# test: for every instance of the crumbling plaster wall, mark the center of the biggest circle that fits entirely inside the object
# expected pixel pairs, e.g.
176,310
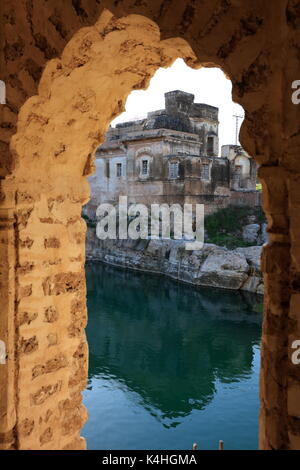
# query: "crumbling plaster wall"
89,62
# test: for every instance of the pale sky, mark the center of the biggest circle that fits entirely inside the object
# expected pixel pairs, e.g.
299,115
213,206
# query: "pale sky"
209,85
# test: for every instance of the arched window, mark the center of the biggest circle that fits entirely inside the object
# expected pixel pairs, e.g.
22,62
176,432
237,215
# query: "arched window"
143,165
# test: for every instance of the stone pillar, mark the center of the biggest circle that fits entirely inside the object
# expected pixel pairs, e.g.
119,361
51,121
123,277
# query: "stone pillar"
51,315
276,268
293,327
43,315
7,329
280,377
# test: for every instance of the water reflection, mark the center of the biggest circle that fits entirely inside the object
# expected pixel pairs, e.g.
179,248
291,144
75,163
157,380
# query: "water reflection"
167,345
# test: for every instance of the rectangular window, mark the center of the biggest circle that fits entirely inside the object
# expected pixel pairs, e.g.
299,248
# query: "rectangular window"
119,170
107,169
205,172
145,167
173,170
210,146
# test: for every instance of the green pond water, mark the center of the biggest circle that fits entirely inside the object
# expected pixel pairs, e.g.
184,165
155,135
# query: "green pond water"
170,364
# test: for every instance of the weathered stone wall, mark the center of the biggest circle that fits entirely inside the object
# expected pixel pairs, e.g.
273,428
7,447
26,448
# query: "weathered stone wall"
45,194
88,67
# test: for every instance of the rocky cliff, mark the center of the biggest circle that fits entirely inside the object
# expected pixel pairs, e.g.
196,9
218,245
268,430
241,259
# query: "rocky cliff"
212,266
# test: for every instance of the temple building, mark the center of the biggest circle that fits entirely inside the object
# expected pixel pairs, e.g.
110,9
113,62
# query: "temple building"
172,156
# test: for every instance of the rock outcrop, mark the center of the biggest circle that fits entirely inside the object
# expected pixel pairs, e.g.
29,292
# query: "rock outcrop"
212,266
255,233
250,233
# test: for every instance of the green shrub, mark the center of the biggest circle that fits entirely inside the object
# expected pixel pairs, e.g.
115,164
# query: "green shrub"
225,226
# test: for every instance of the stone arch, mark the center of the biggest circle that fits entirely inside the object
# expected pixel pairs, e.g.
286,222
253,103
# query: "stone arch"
244,163
241,171
81,92
42,284
144,151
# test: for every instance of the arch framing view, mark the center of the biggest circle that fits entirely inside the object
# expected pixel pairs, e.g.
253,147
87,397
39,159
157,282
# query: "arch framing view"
68,71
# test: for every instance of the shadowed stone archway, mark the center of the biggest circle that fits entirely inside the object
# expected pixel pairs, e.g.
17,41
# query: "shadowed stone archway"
96,58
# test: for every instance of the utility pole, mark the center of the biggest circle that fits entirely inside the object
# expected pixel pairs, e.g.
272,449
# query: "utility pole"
237,117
